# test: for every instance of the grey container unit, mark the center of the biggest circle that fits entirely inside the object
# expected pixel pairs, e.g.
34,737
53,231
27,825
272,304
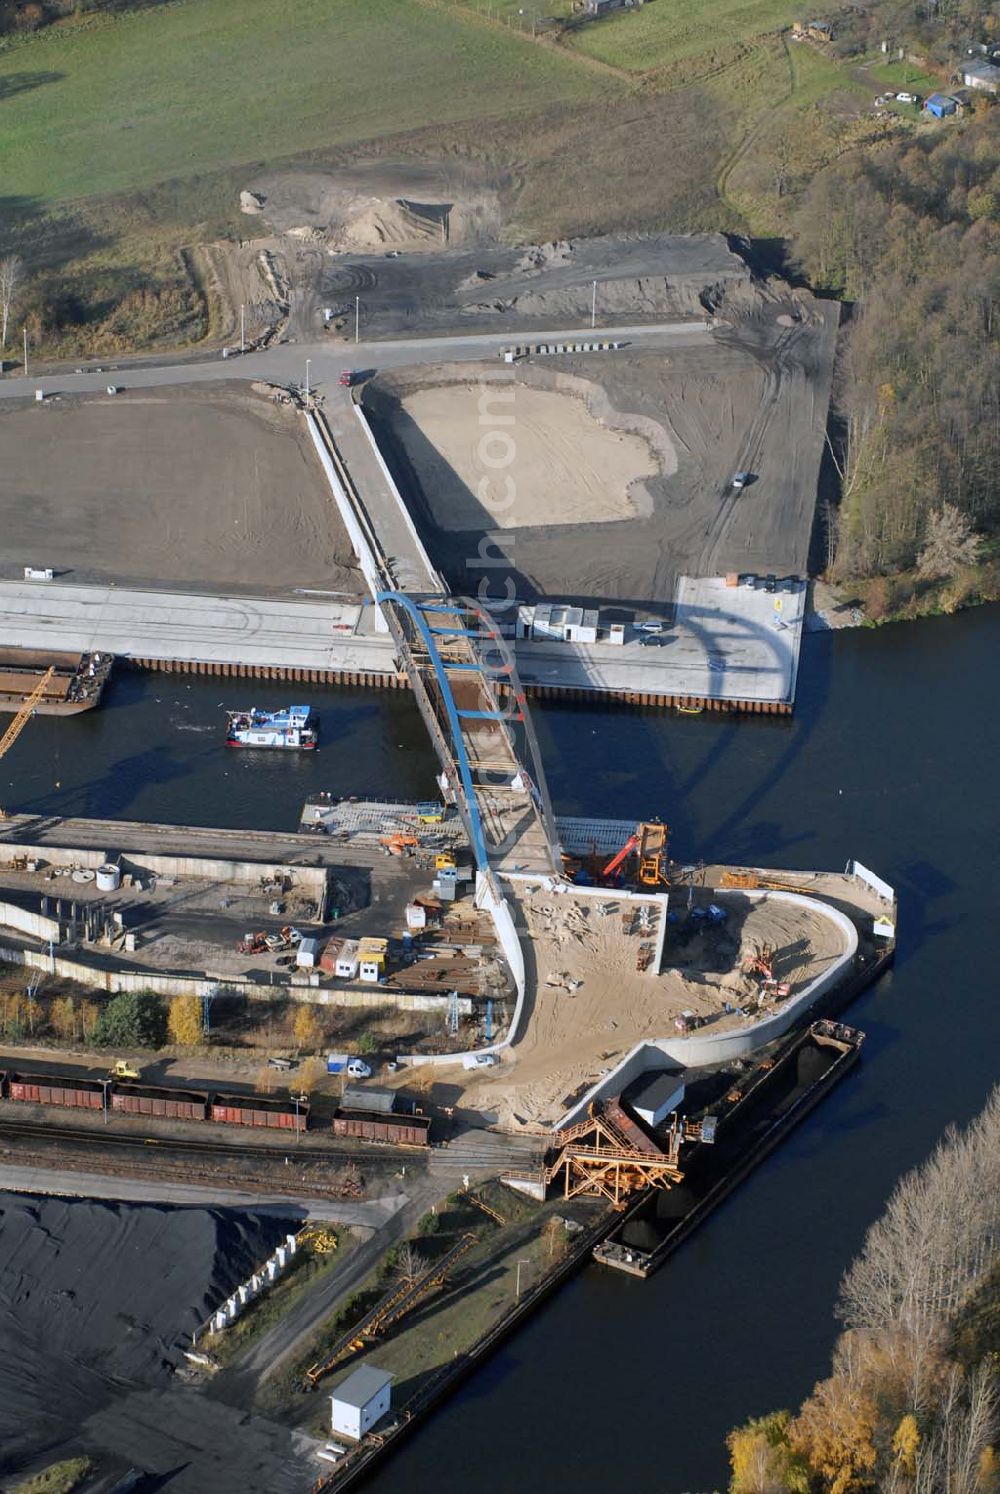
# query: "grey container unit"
654,1099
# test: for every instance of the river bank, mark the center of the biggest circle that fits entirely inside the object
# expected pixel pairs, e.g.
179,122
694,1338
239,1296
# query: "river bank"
889,759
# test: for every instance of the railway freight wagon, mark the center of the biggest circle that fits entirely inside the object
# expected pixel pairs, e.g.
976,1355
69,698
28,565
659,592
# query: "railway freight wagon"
58,1089
171,1104
255,1110
395,1130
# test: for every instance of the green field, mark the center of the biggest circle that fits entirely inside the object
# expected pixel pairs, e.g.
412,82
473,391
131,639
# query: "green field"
903,77
666,31
125,138
121,103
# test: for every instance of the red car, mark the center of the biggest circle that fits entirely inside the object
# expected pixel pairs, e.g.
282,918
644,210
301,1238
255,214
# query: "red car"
346,378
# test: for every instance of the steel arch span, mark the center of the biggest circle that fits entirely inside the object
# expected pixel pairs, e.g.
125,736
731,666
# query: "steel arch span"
465,680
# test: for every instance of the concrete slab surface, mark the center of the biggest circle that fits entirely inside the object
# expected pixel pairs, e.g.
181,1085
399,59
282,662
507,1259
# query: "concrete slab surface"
726,643
293,634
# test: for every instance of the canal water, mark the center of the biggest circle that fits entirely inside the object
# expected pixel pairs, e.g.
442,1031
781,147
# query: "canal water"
890,758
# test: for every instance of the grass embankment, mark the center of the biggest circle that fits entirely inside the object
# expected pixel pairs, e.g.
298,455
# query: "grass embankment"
479,1294
127,137
641,40
135,99
59,1478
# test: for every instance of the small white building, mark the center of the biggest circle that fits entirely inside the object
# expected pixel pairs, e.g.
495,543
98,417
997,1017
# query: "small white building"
656,1098
982,75
307,954
346,967
360,1402
558,620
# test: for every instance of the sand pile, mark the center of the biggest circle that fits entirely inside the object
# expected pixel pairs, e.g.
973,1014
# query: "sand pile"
399,225
94,1298
377,206
591,1004
514,456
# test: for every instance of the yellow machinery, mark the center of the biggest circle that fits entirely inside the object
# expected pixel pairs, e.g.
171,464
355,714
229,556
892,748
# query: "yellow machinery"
123,1070
22,718
652,853
444,861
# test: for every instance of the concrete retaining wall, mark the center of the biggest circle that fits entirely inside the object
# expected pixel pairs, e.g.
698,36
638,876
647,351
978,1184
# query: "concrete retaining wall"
418,545
359,543
870,879
98,978
705,1047
489,899
203,868
14,917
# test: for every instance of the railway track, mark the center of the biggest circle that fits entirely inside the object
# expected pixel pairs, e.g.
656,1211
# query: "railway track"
440,1156
197,1147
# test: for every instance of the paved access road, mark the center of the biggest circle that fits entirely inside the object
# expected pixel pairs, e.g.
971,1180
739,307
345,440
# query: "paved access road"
71,1184
286,363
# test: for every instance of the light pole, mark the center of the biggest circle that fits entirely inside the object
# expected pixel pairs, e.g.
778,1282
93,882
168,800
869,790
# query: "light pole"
308,361
243,328
593,306
357,316
25,352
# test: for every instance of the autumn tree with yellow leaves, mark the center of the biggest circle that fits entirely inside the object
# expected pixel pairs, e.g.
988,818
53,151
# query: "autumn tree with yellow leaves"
912,1405
185,1022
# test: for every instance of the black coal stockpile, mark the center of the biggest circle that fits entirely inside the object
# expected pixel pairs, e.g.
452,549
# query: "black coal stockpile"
95,1299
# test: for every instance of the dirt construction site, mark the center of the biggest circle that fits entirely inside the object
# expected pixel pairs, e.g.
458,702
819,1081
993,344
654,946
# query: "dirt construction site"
592,1002
211,489
604,477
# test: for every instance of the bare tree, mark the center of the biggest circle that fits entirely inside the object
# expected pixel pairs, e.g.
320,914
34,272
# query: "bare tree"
409,1262
10,281
949,543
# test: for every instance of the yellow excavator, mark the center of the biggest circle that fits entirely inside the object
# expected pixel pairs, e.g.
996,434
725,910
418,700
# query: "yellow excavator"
22,718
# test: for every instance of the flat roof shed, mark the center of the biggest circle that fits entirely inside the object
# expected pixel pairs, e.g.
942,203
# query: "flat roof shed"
654,1099
360,1401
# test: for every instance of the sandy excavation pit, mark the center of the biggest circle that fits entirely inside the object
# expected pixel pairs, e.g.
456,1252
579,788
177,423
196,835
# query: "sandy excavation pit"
591,1005
213,489
513,456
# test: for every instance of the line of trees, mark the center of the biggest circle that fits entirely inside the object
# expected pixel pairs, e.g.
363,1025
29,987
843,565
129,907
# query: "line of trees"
910,234
913,1402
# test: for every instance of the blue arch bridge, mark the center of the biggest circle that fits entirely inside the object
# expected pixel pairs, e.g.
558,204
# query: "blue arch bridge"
465,681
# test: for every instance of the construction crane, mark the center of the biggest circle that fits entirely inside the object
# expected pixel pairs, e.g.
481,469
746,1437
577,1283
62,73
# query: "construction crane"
22,718
648,844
